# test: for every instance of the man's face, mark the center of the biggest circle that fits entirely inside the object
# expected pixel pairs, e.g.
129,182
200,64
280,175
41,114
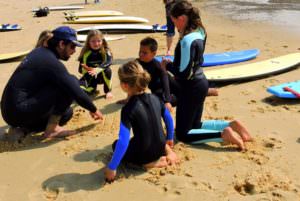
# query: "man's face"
145,54
66,50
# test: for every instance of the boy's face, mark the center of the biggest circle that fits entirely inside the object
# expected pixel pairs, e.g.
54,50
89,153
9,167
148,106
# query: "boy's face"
145,54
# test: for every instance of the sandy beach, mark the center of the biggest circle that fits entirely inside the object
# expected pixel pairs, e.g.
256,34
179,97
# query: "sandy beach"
72,169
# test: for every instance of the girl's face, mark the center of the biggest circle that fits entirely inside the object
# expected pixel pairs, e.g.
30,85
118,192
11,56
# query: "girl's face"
124,87
180,22
95,42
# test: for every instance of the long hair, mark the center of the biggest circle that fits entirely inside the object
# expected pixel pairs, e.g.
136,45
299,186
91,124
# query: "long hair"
193,15
43,38
87,47
133,74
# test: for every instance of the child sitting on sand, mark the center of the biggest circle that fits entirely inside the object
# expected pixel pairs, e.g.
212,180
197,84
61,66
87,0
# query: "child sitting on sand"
149,146
95,59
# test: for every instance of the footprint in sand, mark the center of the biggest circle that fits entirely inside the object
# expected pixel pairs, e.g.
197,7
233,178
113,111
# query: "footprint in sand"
257,149
298,140
262,181
272,143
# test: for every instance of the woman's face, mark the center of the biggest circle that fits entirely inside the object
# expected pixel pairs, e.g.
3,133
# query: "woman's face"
180,22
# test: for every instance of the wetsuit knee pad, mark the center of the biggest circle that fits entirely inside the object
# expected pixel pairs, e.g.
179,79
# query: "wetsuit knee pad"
218,125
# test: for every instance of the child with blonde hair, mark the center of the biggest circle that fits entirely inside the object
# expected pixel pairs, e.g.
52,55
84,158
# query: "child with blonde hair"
95,59
148,147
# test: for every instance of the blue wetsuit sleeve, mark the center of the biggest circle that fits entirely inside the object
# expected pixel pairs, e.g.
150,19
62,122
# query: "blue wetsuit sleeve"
121,147
169,124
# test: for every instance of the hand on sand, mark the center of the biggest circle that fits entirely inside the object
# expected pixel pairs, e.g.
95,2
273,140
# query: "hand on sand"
172,159
97,115
170,143
109,175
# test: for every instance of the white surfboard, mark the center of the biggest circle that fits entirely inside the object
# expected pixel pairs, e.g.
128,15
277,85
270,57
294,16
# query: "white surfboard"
253,70
82,38
56,8
113,19
124,28
13,55
93,13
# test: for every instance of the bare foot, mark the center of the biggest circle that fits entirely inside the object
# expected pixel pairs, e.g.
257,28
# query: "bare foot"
212,92
161,162
109,95
58,132
229,136
241,130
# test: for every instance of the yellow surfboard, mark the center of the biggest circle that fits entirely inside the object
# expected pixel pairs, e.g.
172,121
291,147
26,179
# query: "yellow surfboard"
14,55
253,70
112,19
82,38
93,13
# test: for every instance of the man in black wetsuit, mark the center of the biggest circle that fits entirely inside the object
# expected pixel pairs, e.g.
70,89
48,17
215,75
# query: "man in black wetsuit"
40,92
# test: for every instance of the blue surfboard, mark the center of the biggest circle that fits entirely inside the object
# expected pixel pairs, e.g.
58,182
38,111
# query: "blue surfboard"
9,27
279,91
214,59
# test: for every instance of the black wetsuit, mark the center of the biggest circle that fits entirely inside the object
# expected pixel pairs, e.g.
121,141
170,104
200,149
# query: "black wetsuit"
41,86
159,84
101,60
189,75
143,114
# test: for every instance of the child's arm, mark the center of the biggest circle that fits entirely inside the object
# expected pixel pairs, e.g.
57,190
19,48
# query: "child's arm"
121,147
170,126
105,64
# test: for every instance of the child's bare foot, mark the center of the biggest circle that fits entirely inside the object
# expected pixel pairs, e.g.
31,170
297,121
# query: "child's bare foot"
161,162
229,136
241,130
109,95
212,92
58,132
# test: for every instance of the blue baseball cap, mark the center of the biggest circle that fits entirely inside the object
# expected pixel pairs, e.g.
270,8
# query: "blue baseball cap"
66,33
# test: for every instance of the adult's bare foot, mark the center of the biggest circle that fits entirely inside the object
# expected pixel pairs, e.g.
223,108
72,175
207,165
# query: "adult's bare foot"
58,132
161,162
229,136
241,130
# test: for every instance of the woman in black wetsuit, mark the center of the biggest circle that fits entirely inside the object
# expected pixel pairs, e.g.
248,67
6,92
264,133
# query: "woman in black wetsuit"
143,112
187,70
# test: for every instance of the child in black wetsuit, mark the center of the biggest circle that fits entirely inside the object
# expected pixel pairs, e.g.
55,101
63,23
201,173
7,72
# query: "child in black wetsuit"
162,84
95,59
149,146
